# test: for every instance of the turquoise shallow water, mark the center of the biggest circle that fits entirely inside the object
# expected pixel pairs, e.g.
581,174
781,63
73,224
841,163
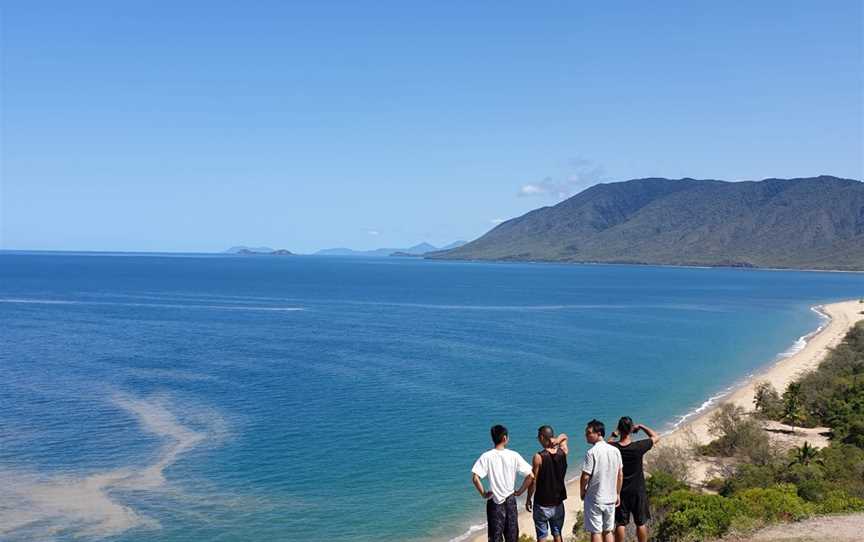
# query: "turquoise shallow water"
199,398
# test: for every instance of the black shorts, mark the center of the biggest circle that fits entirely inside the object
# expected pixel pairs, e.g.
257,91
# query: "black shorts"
635,503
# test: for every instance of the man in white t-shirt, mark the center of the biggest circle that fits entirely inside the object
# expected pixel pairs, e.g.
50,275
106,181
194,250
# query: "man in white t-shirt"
600,485
500,466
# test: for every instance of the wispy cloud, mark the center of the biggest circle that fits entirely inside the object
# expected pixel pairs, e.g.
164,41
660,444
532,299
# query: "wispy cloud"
547,187
373,232
497,221
584,173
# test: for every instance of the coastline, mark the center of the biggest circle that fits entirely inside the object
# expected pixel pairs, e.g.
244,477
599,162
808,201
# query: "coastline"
642,264
804,355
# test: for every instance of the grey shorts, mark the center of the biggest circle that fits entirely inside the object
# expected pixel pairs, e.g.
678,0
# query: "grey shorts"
599,518
548,518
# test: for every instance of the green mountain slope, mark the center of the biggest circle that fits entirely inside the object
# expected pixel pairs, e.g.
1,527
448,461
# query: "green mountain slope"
813,223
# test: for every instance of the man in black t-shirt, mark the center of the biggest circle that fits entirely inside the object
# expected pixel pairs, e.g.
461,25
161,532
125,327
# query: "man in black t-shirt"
634,498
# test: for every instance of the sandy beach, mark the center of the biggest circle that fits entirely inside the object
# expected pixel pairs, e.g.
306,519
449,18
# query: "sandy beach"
843,316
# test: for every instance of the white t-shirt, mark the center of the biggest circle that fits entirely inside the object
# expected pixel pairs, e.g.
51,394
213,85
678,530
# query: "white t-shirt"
501,467
602,462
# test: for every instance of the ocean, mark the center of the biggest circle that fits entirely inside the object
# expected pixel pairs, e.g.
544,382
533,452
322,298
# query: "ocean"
231,398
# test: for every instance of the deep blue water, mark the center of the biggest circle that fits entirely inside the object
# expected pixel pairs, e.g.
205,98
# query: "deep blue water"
183,398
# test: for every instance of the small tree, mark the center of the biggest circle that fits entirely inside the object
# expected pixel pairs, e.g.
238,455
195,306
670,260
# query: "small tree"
670,460
736,434
804,455
767,401
793,405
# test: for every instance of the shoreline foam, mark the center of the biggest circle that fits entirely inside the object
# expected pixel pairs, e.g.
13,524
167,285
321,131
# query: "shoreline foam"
805,354
717,399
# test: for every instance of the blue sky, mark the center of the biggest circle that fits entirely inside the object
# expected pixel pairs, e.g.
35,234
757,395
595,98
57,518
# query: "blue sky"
193,126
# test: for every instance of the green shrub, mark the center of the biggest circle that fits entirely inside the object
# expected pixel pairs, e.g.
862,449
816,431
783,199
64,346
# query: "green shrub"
748,476
839,502
579,534
661,483
690,516
813,490
843,466
770,505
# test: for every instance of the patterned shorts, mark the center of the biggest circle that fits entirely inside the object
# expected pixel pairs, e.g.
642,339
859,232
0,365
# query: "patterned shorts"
503,520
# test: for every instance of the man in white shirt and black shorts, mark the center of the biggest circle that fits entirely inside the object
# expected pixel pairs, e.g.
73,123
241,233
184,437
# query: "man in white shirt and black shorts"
500,466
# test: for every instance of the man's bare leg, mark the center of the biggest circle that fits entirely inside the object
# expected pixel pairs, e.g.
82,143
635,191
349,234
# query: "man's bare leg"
596,537
608,536
621,533
641,533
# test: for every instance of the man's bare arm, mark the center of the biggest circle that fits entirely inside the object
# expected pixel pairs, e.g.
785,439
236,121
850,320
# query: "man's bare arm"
619,484
561,442
583,484
653,435
526,483
479,485
535,467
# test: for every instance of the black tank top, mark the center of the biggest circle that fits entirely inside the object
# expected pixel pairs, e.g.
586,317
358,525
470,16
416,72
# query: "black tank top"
550,489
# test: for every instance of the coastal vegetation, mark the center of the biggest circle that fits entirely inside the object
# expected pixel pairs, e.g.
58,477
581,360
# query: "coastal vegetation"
814,223
762,483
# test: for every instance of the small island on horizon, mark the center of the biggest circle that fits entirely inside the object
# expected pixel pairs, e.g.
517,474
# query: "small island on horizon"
265,251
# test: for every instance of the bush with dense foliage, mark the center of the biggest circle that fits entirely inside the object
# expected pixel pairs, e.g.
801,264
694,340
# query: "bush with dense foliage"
688,515
773,504
661,484
839,502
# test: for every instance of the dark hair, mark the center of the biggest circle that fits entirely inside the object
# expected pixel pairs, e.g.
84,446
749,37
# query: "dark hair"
597,426
498,434
625,425
545,431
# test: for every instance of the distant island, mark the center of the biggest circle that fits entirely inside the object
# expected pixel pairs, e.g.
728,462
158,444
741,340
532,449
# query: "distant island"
416,250
806,223
259,250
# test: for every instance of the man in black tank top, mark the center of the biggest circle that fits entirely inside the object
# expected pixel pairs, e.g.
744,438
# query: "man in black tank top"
548,491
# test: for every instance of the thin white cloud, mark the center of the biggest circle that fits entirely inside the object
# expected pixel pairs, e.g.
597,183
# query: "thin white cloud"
546,187
536,189
585,173
497,221
373,232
